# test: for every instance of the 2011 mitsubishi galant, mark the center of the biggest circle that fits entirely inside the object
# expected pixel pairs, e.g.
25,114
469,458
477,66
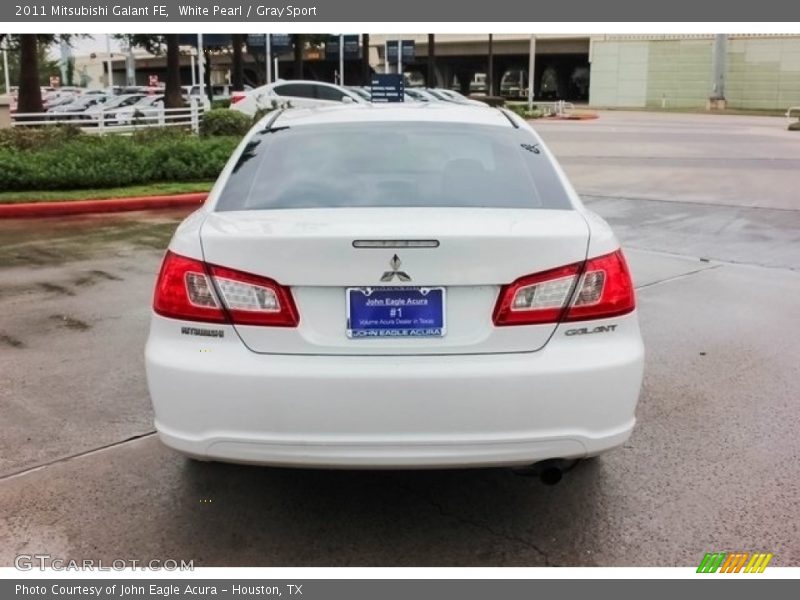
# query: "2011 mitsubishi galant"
394,286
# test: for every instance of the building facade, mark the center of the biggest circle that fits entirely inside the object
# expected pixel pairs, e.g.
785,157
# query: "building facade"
618,71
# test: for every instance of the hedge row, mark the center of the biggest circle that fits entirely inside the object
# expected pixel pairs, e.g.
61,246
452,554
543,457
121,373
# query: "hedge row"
61,160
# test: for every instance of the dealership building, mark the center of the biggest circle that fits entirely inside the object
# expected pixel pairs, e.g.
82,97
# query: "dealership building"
619,71
634,71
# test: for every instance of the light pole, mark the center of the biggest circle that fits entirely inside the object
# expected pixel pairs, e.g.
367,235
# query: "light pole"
201,65
268,54
5,71
531,68
400,57
109,62
490,87
341,59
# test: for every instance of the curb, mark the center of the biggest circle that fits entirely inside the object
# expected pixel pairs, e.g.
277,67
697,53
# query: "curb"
578,117
79,207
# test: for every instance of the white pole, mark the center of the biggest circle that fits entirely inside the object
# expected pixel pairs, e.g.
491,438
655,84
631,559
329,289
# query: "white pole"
110,65
386,56
5,71
400,56
130,67
275,69
201,66
194,74
341,59
268,44
531,67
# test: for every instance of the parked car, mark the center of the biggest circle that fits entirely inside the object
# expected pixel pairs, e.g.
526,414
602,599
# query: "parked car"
394,286
302,94
53,99
110,106
422,95
77,105
454,96
146,109
366,93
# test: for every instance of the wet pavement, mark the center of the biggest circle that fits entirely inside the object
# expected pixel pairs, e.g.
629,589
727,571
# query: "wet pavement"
712,465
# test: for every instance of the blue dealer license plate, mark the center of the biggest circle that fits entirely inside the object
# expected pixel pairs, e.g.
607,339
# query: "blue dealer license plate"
395,312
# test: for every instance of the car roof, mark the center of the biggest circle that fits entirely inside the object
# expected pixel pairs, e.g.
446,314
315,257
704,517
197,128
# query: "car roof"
393,112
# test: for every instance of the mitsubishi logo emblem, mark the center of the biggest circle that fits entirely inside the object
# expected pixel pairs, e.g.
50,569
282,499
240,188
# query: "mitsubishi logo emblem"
395,263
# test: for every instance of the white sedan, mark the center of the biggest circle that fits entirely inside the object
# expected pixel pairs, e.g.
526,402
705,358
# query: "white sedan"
295,93
394,286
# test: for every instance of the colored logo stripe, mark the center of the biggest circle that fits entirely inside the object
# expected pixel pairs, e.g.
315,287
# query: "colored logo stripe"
711,562
734,561
758,563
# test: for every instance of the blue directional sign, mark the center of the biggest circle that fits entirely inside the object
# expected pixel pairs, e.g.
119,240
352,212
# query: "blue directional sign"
387,87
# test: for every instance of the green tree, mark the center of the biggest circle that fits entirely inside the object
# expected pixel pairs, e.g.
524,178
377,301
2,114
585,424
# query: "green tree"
47,66
33,68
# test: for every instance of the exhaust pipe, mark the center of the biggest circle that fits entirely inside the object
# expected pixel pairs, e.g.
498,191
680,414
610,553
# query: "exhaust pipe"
549,472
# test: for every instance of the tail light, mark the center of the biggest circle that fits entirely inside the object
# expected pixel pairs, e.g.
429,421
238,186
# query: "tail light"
192,290
597,289
238,97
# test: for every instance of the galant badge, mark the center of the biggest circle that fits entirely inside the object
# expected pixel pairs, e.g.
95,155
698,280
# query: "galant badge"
395,263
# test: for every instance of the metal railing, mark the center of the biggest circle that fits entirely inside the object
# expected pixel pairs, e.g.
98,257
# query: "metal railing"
122,121
556,108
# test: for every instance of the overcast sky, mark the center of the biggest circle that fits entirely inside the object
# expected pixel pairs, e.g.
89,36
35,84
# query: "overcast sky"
81,47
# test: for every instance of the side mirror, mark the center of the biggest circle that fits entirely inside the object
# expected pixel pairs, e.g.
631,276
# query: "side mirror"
347,100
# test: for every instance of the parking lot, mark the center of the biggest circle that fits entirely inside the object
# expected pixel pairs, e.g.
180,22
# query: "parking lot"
708,211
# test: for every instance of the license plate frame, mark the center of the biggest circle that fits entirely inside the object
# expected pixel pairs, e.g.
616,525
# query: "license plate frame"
378,322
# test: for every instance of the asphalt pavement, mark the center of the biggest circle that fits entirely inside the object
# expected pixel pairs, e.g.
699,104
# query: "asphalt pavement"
712,465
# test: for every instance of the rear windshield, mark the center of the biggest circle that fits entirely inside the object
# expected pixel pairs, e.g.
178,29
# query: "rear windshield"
404,164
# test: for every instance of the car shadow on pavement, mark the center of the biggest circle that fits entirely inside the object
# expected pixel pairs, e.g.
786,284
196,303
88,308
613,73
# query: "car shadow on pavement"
259,516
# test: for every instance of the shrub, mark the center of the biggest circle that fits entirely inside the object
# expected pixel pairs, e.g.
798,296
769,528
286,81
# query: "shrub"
491,100
522,111
224,103
147,135
35,138
87,161
224,121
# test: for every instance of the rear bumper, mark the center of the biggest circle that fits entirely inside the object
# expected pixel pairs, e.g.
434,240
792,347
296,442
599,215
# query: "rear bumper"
215,399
